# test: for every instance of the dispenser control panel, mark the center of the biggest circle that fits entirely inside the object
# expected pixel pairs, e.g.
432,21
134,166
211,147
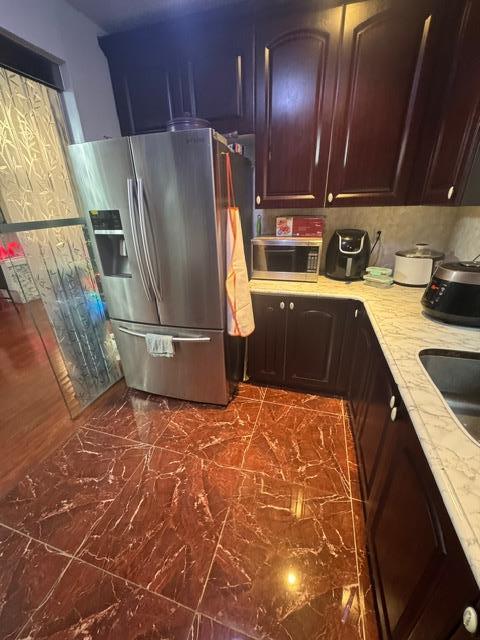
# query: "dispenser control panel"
106,220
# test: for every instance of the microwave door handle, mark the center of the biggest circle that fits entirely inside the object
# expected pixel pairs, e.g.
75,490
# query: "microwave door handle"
143,232
136,244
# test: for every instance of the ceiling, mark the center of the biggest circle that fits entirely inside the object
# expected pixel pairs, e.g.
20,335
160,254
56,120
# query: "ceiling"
117,15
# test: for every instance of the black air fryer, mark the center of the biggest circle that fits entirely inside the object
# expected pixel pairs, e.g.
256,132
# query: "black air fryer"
348,254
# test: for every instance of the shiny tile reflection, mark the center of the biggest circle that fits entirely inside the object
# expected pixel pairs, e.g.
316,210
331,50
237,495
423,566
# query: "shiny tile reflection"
191,522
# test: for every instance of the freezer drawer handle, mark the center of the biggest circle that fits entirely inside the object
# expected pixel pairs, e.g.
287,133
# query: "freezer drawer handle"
143,233
136,245
142,335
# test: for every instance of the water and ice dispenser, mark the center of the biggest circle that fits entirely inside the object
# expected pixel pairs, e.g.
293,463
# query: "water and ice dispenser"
110,241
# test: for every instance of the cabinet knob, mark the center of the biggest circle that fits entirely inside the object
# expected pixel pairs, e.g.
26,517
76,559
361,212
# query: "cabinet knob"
282,305
292,306
393,414
330,197
392,402
470,620
356,313
258,199
450,192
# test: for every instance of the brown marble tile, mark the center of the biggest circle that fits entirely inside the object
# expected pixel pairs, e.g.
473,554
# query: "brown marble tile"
216,433
298,445
328,404
162,530
285,565
250,391
205,628
132,414
90,604
59,501
28,570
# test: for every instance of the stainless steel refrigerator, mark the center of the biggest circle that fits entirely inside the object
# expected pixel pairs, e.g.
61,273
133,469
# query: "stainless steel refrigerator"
155,206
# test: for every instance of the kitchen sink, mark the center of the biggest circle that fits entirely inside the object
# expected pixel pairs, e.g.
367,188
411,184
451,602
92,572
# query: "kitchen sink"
456,374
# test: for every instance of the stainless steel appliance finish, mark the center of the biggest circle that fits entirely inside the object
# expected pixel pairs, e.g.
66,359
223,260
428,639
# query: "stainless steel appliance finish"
156,210
196,372
286,258
180,215
104,177
453,294
456,374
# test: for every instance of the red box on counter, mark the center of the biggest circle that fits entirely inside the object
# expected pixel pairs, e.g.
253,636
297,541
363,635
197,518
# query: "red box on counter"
301,226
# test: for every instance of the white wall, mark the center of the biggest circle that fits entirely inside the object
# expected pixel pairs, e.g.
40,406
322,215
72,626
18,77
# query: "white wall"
60,31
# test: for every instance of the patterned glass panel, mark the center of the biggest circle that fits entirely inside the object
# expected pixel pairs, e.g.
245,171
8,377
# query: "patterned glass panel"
34,178
52,272
60,274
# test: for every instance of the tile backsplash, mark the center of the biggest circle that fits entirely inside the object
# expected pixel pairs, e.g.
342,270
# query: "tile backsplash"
401,227
465,242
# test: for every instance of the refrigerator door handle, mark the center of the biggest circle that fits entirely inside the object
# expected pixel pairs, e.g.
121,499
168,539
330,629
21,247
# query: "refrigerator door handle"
143,231
136,244
142,335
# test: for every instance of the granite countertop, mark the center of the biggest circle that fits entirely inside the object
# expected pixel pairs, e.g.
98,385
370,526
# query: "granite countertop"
403,331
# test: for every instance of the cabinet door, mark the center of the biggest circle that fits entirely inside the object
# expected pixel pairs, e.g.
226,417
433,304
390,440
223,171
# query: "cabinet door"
452,129
266,346
192,66
219,64
145,78
371,433
146,98
385,65
315,335
363,341
416,556
296,57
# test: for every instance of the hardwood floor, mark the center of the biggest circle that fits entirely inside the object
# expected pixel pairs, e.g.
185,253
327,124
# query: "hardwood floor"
34,419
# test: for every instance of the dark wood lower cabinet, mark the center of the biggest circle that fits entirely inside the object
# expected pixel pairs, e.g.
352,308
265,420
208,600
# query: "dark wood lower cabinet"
422,579
266,347
360,364
299,342
376,419
315,334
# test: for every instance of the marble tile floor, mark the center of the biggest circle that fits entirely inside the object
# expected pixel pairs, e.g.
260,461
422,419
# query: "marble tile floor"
161,519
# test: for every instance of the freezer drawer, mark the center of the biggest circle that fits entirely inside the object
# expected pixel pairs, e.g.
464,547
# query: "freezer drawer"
197,372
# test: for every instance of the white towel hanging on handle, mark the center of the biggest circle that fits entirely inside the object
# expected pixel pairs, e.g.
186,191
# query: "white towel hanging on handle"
240,320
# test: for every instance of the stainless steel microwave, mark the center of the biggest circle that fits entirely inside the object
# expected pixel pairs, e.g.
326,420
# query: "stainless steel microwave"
286,258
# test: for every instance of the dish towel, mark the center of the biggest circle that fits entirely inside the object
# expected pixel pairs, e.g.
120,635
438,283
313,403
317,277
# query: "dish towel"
159,346
240,320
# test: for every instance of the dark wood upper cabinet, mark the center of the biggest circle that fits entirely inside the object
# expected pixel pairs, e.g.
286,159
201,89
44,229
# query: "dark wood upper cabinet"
219,66
452,126
384,70
296,56
192,66
315,336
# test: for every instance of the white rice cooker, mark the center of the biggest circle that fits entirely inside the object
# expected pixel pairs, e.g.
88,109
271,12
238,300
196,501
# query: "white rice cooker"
414,267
